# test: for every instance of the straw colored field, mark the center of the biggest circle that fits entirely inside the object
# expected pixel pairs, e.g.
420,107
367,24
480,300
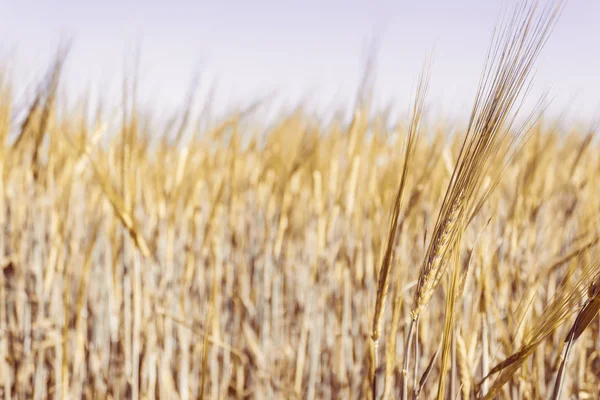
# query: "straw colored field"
141,260
272,251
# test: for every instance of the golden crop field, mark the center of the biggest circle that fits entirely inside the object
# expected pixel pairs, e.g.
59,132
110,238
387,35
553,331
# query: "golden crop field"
305,260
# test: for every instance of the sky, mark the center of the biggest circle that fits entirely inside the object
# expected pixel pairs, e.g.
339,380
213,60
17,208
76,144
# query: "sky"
298,49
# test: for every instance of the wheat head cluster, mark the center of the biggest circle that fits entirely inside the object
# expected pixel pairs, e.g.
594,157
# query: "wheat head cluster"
304,259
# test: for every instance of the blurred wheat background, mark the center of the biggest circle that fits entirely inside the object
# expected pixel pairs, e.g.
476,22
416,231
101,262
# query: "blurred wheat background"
143,258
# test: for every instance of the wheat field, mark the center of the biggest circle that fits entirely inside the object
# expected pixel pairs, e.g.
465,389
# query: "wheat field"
303,259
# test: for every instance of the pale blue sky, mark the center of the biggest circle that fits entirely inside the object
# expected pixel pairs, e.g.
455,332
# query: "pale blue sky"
298,47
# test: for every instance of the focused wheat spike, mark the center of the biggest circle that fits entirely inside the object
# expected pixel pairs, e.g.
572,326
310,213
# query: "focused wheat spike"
515,47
